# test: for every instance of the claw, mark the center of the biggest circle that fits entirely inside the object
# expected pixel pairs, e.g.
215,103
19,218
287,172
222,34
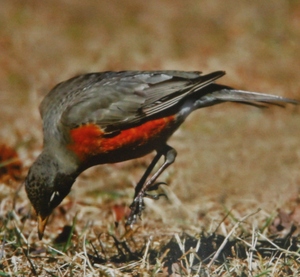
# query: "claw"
155,187
155,196
138,204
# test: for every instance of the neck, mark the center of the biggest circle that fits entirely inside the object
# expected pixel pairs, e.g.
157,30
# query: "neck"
65,161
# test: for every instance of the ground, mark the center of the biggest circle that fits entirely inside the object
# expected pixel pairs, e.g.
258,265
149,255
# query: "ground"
233,161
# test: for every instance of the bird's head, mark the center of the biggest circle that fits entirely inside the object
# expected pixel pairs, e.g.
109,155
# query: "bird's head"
46,187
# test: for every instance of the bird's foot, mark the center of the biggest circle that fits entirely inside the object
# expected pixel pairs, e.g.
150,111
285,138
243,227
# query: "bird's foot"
157,193
138,205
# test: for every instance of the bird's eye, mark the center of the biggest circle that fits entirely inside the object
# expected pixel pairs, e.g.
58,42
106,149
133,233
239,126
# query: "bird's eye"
54,194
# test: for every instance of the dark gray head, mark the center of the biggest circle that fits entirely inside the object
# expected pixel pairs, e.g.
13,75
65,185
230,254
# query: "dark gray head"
46,187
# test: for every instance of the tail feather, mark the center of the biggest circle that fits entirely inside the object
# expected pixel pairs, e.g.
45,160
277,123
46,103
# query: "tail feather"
260,100
233,95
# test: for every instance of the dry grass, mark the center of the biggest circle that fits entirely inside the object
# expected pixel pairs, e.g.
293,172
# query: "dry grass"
232,160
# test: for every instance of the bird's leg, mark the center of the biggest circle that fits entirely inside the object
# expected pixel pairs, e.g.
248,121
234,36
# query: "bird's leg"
146,174
142,187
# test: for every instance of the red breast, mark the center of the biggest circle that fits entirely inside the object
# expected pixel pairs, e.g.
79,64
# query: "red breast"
90,140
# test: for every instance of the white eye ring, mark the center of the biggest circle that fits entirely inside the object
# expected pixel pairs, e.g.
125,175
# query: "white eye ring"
55,193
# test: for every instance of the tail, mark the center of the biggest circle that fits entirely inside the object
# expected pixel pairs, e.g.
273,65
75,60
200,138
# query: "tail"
219,94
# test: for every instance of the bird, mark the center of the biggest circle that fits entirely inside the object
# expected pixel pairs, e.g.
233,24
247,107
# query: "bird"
114,116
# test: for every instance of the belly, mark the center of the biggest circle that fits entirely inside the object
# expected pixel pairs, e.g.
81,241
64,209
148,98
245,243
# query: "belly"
93,146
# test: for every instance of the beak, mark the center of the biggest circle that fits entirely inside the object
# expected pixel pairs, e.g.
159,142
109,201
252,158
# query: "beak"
42,222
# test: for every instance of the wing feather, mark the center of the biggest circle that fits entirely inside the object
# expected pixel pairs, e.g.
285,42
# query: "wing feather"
118,101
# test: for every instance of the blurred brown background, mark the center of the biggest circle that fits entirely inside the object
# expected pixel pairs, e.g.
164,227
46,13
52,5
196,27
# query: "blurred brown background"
228,155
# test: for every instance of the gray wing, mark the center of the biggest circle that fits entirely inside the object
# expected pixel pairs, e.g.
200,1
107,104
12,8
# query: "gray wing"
120,99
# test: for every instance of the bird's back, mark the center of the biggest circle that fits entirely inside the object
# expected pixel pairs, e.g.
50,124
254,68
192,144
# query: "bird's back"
116,100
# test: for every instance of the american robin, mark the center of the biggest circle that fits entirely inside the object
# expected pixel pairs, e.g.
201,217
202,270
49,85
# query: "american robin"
111,117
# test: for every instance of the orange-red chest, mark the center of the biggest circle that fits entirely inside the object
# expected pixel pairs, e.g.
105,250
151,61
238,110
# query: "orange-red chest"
90,141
